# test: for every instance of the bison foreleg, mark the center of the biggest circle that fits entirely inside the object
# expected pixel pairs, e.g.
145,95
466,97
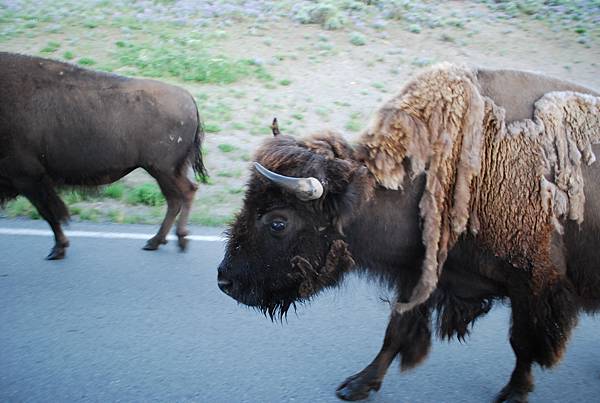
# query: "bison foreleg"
407,335
42,195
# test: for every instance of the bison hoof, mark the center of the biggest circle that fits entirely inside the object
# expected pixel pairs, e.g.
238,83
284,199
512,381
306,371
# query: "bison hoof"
357,387
57,253
182,241
154,243
512,394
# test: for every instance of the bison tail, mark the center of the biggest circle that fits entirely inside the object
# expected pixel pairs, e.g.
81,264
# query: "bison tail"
195,156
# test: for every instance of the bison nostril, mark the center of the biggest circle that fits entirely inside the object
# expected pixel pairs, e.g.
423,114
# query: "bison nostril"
223,283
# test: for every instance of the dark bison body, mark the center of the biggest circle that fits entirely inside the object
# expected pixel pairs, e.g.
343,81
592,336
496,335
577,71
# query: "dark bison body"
61,125
285,247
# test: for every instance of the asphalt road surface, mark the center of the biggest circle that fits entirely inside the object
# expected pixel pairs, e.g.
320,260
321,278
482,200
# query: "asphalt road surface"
115,323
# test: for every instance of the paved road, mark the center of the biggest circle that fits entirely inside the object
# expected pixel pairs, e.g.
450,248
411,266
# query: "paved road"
115,323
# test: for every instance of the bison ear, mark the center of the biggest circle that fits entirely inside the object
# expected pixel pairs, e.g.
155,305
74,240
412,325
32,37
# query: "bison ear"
344,203
275,128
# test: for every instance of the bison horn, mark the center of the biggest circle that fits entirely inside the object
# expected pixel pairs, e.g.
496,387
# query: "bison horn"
305,189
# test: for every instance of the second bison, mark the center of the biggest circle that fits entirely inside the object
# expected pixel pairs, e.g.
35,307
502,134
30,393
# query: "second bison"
61,125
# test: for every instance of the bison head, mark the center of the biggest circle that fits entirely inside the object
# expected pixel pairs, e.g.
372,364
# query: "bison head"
288,243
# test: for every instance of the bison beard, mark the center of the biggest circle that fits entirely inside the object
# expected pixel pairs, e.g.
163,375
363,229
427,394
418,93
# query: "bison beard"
449,203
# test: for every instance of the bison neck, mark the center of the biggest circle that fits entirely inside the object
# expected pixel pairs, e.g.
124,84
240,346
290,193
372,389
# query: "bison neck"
385,237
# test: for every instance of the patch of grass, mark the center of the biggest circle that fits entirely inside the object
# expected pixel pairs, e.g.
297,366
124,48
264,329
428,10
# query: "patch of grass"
188,61
355,123
86,61
298,116
68,55
148,194
73,196
20,207
238,126
114,191
285,82
116,216
212,128
226,148
90,214
379,86
134,219
235,191
208,219
51,47
229,174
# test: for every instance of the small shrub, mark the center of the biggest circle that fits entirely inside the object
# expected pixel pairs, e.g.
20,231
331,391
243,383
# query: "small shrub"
68,55
358,39
285,82
415,28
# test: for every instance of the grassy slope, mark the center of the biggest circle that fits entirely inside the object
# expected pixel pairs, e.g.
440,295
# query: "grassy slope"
312,64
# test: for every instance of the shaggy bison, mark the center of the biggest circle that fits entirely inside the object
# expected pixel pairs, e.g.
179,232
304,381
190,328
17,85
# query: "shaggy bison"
61,125
469,187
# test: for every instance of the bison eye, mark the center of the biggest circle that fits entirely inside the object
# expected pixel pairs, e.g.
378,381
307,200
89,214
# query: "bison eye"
278,225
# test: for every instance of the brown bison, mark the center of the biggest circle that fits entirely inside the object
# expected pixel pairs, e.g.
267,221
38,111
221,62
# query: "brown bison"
463,191
61,125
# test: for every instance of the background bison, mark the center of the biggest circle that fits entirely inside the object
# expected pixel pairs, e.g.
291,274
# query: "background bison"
61,125
448,202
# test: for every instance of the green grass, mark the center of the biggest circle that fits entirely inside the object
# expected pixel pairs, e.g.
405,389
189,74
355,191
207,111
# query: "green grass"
236,173
148,194
114,191
186,62
207,218
212,128
50,47
226,148
90,214
116,216
21,207
285,82
86,61
68,55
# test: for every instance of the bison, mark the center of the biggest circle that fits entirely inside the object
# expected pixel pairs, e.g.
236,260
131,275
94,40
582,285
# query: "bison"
469,187
61,125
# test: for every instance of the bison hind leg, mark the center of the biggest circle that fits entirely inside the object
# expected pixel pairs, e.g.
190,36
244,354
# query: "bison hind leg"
541,327
166,182
179,190
187,186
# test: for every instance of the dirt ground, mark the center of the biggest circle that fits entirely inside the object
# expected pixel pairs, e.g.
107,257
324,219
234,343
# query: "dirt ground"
322,80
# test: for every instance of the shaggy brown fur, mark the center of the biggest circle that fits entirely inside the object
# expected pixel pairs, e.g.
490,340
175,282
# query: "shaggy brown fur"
441,124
